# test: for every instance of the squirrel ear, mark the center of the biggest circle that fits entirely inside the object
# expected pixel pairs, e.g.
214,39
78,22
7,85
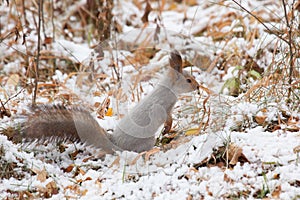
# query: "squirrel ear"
176,61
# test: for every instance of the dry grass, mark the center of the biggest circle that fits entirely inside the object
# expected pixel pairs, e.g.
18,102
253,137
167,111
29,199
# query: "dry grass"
268,78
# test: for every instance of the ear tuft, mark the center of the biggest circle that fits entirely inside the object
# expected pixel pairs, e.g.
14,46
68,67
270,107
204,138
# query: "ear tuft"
176,61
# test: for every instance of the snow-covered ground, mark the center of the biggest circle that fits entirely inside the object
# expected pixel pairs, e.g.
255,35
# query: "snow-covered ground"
192,166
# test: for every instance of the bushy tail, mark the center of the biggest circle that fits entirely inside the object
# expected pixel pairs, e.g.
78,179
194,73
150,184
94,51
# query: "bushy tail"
53,122
61,123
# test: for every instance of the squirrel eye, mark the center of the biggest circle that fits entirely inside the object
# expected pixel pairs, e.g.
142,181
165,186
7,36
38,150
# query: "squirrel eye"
188,80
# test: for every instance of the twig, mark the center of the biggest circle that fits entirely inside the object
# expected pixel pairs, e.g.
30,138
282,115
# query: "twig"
11,97
52,20
260,21
38,54
43,20
290,44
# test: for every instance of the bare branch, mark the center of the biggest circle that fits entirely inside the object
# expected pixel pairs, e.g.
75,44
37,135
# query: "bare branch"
38,54
260,21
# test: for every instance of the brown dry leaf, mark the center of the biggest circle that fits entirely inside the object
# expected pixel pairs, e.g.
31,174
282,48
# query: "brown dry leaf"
194,170
83,192
140,57
189,197
191,2
173,6
147,155
97,104
74,154
133,162
79,181
42,175
66,97
62,148
4,112
175,141
260,119
235,153
276,176
151,152
148,9
97,94
296,149
83,180
13,80
293,123
202,61
52,188
138,4
116,162
228,179
76,189
80,80
208,191
81,171
103,109
69,168
48,40
98,182
88,158
72,187
276,192
223,155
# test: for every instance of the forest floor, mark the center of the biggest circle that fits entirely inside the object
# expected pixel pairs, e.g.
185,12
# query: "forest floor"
239,138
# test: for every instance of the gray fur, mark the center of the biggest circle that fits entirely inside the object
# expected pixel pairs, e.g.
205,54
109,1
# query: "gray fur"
135,132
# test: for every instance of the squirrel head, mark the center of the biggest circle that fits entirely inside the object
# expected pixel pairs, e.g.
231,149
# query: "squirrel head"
178,80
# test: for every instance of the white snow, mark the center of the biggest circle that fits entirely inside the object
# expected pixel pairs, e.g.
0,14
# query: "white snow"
169,173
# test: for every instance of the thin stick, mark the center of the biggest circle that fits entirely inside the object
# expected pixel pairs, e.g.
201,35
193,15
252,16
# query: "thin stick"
260,21
11,97
290,43
38,55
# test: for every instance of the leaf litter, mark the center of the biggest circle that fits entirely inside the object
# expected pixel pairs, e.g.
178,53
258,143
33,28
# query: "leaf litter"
243,143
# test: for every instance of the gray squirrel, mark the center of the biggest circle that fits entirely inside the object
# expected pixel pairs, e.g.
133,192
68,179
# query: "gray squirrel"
134,132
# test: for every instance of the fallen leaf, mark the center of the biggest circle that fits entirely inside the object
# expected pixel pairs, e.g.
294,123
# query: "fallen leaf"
103,108
74,154
51,188
13,80
88,158
276,176
48,40
115,162
42,175
151,152
235,153
260,119
192,131
109,112
69,168
276,192
81,171
228,179
148,9
296,149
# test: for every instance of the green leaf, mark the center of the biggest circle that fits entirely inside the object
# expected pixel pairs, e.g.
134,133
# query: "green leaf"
254,74
233,85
